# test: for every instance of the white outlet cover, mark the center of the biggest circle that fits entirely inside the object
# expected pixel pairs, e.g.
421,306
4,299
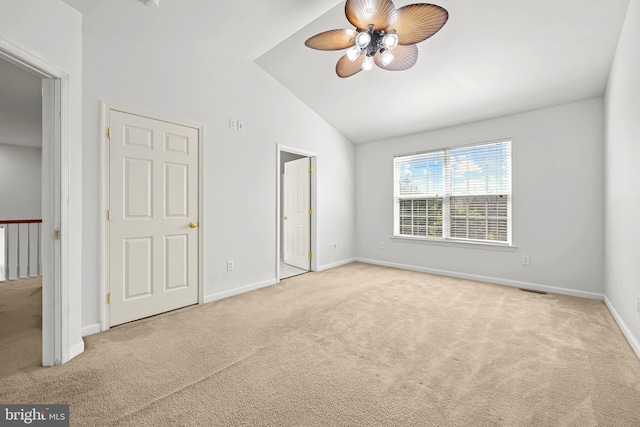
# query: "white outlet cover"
233,125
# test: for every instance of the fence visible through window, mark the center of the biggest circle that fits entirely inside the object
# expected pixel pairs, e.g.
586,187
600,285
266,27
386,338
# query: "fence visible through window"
459,193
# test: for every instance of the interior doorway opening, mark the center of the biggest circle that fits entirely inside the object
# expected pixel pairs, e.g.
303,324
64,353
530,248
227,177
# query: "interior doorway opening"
54,118
20,217
296,206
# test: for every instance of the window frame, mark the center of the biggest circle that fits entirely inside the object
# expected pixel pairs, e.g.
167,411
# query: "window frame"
448,195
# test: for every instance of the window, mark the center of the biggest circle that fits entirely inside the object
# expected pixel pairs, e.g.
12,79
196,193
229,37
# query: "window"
461,193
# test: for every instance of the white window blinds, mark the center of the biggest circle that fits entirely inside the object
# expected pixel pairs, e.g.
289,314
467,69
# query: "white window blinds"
458,193
419,187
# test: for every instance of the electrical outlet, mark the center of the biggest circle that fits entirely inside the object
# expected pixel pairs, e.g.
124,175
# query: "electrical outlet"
381,245
525,259
230,265
233,125
240,126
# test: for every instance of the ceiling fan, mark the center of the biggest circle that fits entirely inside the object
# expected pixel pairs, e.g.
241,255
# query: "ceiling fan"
384,35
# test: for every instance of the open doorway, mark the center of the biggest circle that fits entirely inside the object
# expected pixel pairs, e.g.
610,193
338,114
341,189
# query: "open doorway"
20,217
54,170
296,212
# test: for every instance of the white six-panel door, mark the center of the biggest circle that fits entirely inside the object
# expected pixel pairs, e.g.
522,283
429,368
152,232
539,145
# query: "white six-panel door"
153,235
297,216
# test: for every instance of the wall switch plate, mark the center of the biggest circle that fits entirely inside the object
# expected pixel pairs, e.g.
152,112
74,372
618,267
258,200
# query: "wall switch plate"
525,259
638,304
240,126
230,265
381,245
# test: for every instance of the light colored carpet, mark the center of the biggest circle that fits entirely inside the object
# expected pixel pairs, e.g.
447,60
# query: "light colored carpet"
20,324
357,345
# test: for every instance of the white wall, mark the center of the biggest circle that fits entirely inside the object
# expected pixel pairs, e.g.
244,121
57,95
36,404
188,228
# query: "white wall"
622,281
557,201
52,31
20,171
20,106
239,167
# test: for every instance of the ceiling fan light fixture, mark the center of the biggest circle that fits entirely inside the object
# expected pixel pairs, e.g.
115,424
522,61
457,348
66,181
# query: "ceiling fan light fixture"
353,53
363,39
386,57
379,28
367,64
390,40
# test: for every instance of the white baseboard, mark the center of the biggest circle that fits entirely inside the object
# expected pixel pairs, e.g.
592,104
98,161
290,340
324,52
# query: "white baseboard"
237,291
498,281
91,329
633,342
254,286
336,264
75,350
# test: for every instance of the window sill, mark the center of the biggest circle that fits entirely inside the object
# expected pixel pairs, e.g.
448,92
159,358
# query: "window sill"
456,243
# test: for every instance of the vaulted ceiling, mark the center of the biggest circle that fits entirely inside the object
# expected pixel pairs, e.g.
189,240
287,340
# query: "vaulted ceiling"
492,58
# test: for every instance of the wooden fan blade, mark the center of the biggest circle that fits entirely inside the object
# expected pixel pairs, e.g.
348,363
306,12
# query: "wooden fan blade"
379,13
346,68
405,57
332,40
418,22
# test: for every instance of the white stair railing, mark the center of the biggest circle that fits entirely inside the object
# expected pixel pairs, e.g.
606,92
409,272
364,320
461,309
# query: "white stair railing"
20,248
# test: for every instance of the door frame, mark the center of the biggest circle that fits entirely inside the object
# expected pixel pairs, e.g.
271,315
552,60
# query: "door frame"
314,204
104,204
56,346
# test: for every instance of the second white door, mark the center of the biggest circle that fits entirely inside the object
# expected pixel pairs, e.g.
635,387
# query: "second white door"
297,213
153,236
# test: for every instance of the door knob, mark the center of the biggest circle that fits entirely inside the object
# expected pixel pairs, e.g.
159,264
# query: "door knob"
193,224
285,218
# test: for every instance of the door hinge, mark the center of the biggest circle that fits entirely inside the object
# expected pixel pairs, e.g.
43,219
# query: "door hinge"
109,298
109,133
109,214
310,255
310,169
310,212
56,234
